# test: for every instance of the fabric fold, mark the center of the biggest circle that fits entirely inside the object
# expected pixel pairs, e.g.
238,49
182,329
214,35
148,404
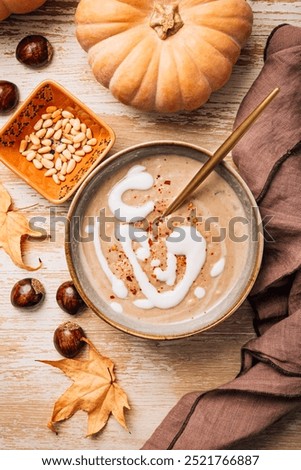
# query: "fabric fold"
269,383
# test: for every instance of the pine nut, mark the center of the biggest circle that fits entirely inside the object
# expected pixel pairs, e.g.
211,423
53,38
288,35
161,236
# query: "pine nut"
66,141
23,146
37,164
83,127
48,156
60,148
41,133
92,141
89,133
56,119
46,142
34,139
66,154
45,149
46,116
79,137
47,163
58,125
47,123
67,114
71,148
50,172
30,156
26,152
87,148
77,158
56,179
76,124
56,113
62,177
49,133
58,134
67,128
71,166
64,168
58,164
38,125
51,109
80,153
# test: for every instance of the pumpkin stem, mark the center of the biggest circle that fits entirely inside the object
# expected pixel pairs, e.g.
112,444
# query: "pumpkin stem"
166,20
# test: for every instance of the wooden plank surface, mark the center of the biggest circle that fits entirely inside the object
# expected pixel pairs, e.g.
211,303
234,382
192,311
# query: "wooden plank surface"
154,374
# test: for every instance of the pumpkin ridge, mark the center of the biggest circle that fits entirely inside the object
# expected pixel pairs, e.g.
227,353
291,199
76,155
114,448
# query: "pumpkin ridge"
188,47
178,79
132,6
216,4
211,12
122,64
159,89
189,52
86,28
94,51
216,49
154,94
220,32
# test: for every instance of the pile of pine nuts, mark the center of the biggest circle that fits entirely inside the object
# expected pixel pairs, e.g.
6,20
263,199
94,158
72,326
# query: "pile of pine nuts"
58,143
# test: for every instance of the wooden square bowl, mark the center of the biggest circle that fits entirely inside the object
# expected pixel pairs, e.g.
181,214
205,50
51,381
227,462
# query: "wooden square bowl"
22,123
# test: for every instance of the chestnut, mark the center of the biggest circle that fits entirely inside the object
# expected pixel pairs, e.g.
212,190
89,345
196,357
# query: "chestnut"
27,293
34,51
67,339
69,299
9,96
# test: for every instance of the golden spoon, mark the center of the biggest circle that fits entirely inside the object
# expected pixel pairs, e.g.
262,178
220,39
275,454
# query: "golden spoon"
220,154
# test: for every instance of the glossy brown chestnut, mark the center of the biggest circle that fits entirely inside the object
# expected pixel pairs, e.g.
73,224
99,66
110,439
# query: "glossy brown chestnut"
34,51
67,339
69,299
27,293
9,96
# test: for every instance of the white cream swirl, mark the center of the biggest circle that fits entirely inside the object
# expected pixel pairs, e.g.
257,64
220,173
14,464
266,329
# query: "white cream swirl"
182,241
136,178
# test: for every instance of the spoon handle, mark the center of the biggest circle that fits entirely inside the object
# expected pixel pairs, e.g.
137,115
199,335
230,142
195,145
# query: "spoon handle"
220,154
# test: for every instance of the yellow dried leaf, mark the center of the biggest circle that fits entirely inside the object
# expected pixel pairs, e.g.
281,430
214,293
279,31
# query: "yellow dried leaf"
94,390
14,227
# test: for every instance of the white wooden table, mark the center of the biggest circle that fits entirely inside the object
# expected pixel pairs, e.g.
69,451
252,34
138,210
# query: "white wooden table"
154,374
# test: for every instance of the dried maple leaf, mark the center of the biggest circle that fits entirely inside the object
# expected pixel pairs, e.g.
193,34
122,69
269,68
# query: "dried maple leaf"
14,227
94,390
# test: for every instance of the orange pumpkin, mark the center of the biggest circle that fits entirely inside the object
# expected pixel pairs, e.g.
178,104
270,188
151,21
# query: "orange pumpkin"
16,6
163,55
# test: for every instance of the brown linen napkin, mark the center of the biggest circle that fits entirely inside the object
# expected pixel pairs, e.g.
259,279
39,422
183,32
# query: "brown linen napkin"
269,383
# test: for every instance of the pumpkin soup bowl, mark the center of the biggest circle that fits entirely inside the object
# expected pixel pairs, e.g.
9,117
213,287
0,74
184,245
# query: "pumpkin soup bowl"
24,123
105,267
